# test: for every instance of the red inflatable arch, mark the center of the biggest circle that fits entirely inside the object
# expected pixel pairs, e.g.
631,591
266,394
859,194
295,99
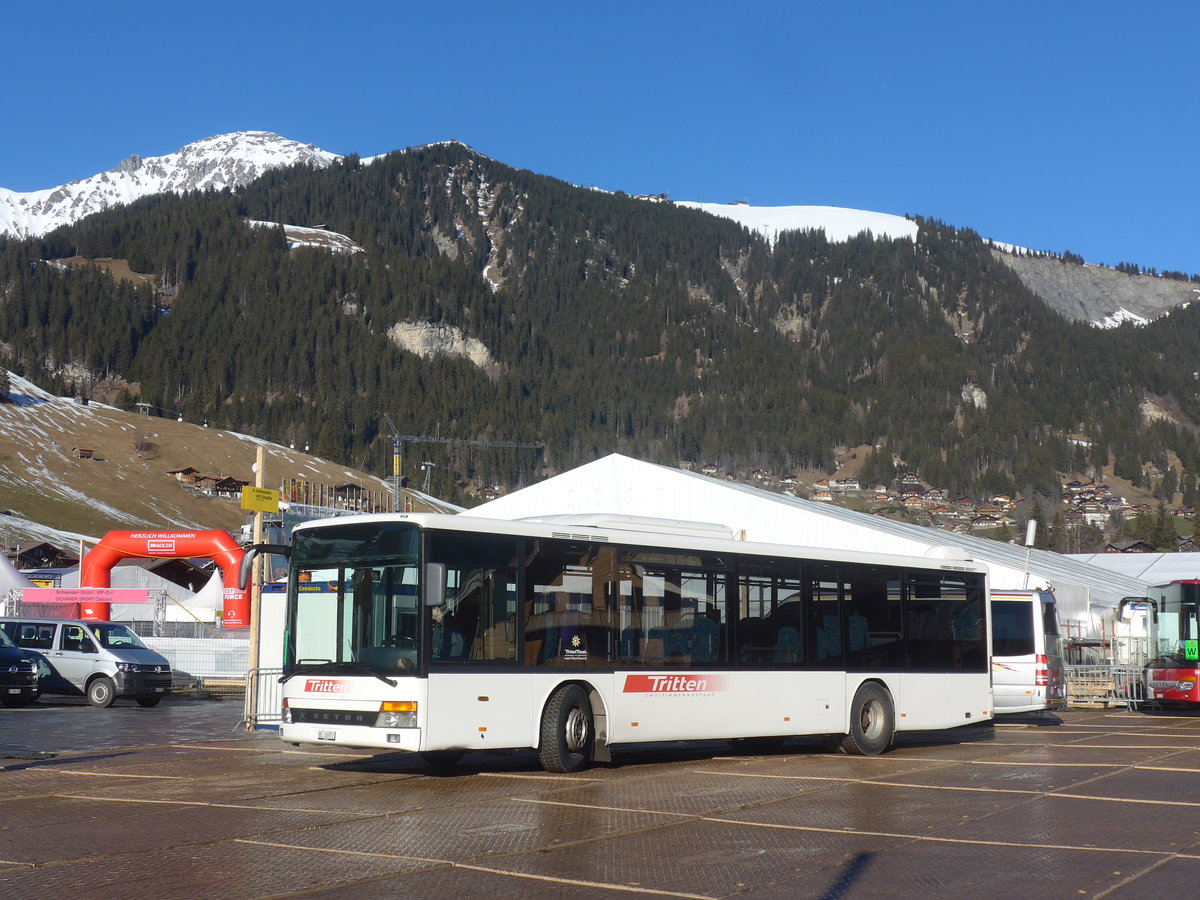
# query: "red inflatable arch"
96,565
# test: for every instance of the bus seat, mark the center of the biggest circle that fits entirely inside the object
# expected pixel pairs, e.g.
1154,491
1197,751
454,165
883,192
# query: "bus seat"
787,645
829,642
498,641
857,627
678,646
656,645
706,639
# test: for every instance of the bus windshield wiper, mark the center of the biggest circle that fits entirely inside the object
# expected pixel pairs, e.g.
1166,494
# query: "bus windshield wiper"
344,667
305,665
390,682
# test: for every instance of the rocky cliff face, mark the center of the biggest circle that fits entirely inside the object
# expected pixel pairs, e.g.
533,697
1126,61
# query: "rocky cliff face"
1095,294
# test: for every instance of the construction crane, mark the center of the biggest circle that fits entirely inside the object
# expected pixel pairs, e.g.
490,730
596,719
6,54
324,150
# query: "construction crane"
399,440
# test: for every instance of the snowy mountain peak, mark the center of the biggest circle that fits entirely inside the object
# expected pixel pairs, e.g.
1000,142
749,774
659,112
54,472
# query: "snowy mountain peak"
222,161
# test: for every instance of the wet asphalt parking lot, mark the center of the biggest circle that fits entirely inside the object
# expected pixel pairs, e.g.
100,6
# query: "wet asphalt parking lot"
178,801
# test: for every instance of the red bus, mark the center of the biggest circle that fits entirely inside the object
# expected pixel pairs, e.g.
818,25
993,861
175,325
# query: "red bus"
1173,666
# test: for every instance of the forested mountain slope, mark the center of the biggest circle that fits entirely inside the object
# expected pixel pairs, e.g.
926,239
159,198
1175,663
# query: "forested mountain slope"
494,304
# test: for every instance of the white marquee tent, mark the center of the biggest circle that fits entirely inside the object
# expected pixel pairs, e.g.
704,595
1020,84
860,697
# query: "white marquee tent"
10,577
618,484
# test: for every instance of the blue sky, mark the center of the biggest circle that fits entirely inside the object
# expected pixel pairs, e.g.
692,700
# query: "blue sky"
1063,126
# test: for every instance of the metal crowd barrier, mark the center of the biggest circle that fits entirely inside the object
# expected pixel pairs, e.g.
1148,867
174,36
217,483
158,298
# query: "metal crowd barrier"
264,698
1105,686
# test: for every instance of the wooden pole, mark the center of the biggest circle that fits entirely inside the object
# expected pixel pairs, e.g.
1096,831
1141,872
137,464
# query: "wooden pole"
256,579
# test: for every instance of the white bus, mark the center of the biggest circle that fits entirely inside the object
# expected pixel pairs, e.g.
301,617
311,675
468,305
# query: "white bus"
1027,657
445,634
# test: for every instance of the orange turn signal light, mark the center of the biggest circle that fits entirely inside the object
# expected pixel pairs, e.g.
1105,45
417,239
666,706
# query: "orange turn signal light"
405,706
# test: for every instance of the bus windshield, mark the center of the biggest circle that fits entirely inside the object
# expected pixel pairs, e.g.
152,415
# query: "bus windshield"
353,600
1179,627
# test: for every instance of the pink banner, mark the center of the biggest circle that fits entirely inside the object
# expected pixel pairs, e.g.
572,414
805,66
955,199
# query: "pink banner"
85,595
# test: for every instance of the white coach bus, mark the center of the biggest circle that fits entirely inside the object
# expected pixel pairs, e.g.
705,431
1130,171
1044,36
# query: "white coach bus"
443,634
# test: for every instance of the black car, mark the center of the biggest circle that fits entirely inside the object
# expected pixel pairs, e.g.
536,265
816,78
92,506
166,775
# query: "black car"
18,674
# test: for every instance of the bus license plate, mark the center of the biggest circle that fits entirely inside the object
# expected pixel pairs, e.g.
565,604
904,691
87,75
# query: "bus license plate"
159,690
326,735
14,690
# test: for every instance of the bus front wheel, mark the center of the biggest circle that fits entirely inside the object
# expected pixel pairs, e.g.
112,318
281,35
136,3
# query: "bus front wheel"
872,721
567,736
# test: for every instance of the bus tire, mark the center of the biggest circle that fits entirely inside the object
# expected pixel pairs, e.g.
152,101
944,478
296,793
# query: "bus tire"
872,721
568,735
101,692
149,700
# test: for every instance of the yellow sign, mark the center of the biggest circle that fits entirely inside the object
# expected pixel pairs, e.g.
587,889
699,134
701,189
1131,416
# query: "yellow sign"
260,499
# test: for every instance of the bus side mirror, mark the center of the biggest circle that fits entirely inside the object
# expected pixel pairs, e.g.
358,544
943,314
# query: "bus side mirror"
1129,605
251,554
435,584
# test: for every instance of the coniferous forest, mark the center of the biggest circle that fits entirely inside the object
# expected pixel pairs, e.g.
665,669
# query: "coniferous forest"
612,324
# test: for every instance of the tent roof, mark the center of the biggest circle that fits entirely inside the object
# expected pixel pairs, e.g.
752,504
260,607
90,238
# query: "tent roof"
10,577
618,484
1152,568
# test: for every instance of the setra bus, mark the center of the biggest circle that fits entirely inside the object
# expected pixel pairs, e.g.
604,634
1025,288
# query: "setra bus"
442,634
1173,658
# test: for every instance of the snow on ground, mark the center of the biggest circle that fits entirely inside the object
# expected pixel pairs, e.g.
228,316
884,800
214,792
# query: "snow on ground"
839,224
1120,317
37,428
321,238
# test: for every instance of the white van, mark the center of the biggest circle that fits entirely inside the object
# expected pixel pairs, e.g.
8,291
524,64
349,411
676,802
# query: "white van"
100,660
1027,661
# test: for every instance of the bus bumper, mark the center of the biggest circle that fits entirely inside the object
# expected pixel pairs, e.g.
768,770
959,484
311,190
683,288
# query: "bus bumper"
353,736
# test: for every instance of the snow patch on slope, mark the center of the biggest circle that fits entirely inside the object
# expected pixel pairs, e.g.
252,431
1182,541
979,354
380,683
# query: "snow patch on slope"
322,238
1120,317
839,224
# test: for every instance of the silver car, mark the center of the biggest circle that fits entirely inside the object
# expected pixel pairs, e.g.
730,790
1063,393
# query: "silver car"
99,660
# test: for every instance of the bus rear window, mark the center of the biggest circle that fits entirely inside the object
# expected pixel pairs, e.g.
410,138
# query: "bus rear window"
1012,628
1049,617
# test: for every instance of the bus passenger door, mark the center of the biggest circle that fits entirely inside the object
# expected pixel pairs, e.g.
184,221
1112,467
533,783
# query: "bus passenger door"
478,692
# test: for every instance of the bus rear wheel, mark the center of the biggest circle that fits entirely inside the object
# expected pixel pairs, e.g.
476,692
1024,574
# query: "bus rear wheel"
567,736
872,721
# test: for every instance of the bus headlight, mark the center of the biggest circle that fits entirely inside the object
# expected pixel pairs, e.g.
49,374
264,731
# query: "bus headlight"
1185,684
287,712
397,714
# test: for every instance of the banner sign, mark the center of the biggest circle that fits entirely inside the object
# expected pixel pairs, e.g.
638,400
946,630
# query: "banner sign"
85,595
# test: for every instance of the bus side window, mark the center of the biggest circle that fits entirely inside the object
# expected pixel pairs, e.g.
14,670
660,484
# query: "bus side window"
568,617
479,618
